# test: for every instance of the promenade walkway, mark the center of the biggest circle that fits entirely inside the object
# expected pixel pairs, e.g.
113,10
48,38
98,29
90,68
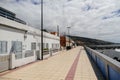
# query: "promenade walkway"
66,65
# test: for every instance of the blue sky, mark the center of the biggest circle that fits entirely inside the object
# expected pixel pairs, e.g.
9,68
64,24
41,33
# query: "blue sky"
98,19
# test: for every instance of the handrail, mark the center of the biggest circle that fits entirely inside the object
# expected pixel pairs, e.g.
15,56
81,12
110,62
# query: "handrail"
109,62
107,59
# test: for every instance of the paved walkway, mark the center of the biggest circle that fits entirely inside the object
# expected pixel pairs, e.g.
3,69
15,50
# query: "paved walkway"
67,65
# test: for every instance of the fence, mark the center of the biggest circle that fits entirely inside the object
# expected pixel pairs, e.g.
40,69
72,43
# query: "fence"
109,67
28,57
4,62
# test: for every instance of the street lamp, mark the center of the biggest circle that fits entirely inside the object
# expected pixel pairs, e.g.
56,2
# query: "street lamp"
42,29
69,34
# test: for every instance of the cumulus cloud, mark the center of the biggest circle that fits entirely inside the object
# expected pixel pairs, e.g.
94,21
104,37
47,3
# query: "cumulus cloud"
98,19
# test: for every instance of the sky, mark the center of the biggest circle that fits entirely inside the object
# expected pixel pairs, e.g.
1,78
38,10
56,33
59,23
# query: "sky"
99,19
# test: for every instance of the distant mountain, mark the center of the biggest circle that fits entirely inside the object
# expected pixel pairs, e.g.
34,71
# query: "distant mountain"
89,41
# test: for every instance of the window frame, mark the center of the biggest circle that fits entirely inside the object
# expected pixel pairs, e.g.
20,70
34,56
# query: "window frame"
3,47
33,46
15,46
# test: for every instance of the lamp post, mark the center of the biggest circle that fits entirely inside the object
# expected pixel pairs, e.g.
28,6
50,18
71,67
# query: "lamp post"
57,30
69,34
41,29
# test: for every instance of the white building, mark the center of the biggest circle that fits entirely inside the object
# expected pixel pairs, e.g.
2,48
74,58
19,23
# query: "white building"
21,44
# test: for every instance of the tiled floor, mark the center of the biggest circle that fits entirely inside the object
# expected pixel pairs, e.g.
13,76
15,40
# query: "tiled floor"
86,69
57,68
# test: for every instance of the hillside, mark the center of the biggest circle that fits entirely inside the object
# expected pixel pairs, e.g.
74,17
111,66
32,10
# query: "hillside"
89,41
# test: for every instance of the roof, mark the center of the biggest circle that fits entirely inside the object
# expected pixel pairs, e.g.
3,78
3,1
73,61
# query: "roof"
7,11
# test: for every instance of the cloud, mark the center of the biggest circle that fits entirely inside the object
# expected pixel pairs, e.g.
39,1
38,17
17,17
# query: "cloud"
88,18
25,10
112,14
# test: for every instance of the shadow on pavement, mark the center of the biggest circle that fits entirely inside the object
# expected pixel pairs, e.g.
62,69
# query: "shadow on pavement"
98,73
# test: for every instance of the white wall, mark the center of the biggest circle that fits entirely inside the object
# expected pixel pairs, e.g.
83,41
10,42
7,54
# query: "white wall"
9,35
14,31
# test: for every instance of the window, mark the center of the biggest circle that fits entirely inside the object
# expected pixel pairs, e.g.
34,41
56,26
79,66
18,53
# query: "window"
16,46
52,45
47,46
39,45
3,47
33,46
44,45
56,46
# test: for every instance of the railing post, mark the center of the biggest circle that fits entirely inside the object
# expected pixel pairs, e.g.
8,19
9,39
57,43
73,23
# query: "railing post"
35,54
12,61
39,56
107,71
50,52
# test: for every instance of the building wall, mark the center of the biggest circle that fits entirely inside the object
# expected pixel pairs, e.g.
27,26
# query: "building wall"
64,41
9,35
13,31
54,33
16,32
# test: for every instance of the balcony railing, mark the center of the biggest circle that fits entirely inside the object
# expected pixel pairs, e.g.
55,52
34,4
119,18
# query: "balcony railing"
18,55
29,53
13,18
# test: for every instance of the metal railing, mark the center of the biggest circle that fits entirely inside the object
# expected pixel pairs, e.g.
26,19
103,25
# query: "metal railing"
109,67
55,50
18,55
4,62
29,53
45,52
13,18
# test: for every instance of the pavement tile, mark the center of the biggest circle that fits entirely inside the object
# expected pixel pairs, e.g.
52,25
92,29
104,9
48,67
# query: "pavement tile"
85,71
56,68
